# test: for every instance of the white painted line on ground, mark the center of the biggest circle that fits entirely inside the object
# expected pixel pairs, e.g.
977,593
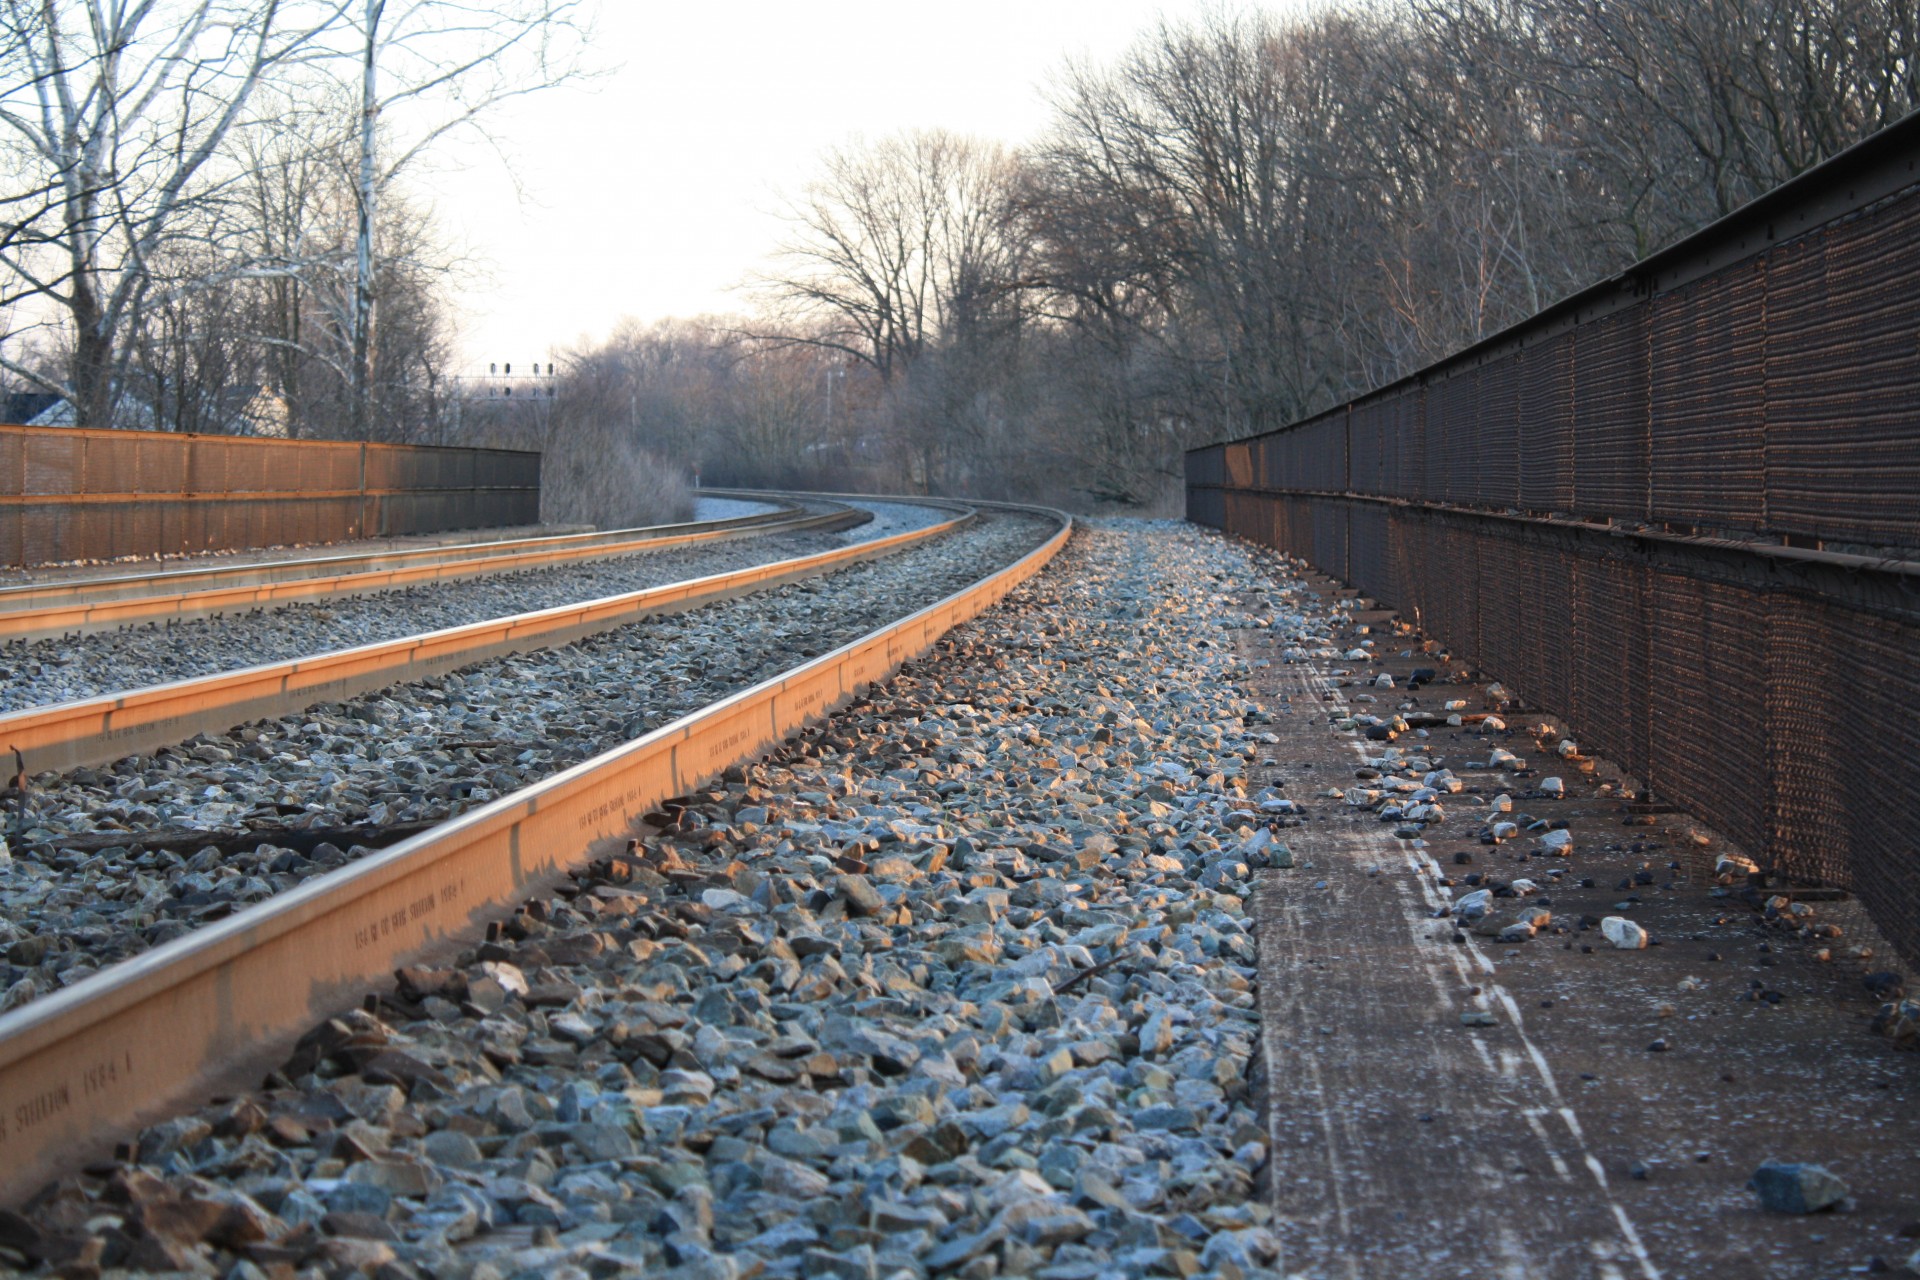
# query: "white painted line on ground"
1420,927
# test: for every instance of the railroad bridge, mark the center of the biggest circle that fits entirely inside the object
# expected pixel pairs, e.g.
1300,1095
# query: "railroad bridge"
1680,508
1493,858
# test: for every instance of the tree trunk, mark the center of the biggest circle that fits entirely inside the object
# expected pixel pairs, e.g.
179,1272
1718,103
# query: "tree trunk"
91,365
368,194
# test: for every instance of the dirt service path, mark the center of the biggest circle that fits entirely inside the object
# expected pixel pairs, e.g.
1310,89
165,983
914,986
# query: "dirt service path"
1605,1120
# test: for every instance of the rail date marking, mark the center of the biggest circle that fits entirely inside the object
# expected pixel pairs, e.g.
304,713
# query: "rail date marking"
108,1073
145,726
727,744
621,805
95,1079
385,919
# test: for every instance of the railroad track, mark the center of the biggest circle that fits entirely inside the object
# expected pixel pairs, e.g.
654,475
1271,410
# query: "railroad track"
136,1040
79,607
100,729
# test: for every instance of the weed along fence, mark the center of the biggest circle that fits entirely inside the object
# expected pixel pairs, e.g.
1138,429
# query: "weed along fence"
1681,508
68,494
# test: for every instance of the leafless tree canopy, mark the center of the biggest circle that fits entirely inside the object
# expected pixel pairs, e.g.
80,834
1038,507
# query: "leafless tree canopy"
896,246
120,112
1246,218
205,222
1243,219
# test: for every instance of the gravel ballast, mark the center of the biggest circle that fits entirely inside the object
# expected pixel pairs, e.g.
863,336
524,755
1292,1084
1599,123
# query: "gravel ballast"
959,984
412,754
42,672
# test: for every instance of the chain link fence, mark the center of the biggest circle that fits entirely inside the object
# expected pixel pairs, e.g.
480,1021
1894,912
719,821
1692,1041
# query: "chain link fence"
68,494
1682,509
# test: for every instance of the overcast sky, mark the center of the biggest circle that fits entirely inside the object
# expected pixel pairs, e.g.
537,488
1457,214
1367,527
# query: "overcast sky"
652,191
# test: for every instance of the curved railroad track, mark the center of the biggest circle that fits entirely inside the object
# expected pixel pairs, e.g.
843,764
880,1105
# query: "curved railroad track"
140,1036
80,606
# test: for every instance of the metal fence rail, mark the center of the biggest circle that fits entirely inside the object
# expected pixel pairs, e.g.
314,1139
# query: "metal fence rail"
1681,508
69,494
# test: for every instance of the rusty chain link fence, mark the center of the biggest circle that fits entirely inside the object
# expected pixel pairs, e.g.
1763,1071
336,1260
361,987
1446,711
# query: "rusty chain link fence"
1681,509
68,494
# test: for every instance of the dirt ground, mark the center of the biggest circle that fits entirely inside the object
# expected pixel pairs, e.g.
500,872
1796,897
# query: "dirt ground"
1607,1122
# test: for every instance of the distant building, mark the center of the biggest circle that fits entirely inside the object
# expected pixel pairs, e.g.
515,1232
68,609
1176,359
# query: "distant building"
244,409
28,406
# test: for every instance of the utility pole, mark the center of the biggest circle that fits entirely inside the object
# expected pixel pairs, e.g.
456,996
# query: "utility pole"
366,195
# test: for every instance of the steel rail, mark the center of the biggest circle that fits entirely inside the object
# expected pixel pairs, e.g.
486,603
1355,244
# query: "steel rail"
98,730
138,1041
41,610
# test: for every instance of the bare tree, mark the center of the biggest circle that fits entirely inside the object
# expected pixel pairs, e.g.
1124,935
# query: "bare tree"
124,108
1689,110
898,242
611,435
1188,158
299,211
1287,212
192,365
27,194
295,200
902,262
427,68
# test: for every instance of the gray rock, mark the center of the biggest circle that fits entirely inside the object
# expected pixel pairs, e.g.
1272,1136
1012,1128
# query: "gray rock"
408,1179
992,1122
962,1249
784,1177
859,895
1796,1188
451,1150
359,1197
1174,1118
602,1141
